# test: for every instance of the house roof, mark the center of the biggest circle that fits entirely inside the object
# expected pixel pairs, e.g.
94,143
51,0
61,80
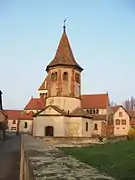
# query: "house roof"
18,114
89,101
44,84
3,112
115,108
99,117
35,104
62,112
64,55
79,112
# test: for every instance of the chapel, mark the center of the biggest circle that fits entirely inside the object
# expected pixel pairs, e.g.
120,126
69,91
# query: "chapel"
62,115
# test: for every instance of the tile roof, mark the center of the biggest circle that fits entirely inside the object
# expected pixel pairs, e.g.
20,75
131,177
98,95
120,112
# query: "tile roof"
79,112
115,108
44,85
35,104
64,55
99,117
62,112
18,114
89,101
3,112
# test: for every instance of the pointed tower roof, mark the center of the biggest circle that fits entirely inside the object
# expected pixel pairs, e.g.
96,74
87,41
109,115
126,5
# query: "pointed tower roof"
64,55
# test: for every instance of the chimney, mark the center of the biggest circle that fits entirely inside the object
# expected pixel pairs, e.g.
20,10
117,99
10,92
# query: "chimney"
1,100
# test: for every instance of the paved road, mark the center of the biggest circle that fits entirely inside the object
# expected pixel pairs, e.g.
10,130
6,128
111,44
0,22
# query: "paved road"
10,158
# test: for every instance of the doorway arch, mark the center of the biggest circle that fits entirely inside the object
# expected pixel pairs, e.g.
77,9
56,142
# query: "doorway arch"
49,131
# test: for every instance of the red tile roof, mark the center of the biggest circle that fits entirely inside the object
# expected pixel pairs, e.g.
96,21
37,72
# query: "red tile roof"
115,108
18,114
94,101
35,104
64,55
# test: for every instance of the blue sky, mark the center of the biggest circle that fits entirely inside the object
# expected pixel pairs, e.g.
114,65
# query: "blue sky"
101,33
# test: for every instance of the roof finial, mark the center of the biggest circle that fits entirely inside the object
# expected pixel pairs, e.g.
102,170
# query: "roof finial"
64,27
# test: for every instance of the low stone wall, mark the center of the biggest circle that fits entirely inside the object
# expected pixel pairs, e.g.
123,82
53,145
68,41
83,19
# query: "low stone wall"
42,161
70,141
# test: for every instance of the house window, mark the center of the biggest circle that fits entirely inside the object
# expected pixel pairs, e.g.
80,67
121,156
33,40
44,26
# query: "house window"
95,127
25,125
117,122
120,114
13,128
86,126
123,122
65,76
54,76
14,121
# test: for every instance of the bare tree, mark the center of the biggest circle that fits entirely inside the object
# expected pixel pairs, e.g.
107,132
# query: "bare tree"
113,103
129,104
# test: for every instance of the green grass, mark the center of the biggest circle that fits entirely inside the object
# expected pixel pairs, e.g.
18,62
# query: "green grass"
117,160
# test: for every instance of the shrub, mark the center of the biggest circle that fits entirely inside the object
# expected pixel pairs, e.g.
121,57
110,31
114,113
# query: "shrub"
131,133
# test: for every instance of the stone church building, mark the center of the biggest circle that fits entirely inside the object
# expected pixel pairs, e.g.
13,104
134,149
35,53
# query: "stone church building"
63,115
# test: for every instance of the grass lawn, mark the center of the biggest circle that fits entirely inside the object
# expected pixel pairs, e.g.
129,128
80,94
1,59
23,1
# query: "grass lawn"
117,160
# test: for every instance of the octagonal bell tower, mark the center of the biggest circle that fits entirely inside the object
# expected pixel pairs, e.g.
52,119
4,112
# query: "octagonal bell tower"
64,78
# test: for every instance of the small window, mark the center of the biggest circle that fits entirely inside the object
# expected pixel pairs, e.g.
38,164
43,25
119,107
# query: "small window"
54,76
120,114
97,111
25,125
87,111
14,121
123,122
13,128
95,127
65,76
77,78
87,126
117,122
94,112
90,111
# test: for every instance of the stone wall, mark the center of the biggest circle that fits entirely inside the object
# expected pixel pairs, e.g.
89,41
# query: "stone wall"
70,141
42,161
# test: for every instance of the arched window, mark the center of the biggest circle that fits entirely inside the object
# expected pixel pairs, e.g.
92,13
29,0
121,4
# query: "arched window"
65,76
25,125
87,127
91,112
95,127
77,78
94,111
54,76
97,111
87,111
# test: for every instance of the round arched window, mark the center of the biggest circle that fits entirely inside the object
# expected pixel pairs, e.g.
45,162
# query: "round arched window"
65,76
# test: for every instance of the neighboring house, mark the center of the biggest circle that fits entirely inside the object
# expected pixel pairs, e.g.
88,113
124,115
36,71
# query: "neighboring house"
63,115
98,106
121,119
35,105
18,120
